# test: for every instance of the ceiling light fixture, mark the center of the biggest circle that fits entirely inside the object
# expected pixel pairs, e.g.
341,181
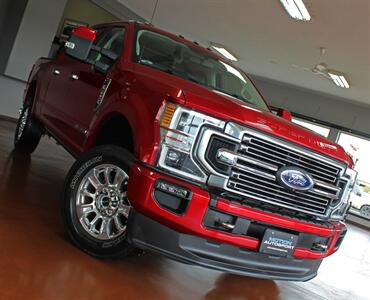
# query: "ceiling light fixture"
296,9
339,79
224,52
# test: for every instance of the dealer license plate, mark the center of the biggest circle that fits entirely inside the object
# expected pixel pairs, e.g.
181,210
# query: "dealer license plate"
278,243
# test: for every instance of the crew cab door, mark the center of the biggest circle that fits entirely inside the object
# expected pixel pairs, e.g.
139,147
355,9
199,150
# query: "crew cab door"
54,107
88,86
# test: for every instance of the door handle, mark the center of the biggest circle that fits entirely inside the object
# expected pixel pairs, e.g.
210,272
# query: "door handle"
74,77
56,72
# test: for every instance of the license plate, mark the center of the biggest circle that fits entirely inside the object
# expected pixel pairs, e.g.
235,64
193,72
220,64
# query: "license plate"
278,243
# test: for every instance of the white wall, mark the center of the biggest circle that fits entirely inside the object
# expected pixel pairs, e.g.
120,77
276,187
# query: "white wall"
11,13
35,35
318,106
116,8
11,96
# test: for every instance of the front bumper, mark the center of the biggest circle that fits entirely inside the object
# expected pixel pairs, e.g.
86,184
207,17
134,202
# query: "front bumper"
148,234
187,231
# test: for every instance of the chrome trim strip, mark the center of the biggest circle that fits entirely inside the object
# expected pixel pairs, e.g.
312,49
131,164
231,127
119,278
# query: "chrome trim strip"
252,161
328,186
255,171
325,194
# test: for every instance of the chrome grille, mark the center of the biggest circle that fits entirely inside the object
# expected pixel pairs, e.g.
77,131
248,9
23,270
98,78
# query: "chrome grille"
253,169
281,156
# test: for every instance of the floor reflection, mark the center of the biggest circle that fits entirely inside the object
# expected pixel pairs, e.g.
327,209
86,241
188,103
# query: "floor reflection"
14,173
232,287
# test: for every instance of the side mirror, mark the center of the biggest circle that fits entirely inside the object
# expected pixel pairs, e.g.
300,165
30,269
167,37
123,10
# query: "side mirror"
103,66
80,42
285,114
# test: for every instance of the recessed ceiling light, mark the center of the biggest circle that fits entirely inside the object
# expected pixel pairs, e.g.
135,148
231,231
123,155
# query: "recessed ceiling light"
339,79
224,52
296,9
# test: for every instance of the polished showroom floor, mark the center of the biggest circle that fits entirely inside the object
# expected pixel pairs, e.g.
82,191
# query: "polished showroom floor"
37,261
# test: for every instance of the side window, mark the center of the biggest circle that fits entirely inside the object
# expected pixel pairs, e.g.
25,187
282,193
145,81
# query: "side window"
111,39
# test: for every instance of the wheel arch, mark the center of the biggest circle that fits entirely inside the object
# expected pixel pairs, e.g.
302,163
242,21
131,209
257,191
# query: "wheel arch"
113,129
30,93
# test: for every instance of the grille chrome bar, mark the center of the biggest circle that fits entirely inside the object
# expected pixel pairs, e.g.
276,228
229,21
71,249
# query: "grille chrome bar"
235,157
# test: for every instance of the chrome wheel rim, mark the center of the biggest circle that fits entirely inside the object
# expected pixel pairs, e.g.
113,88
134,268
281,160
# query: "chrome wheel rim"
101,204
22,122
365,211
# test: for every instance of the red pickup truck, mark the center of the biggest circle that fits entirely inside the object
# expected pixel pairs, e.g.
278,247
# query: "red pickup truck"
178,153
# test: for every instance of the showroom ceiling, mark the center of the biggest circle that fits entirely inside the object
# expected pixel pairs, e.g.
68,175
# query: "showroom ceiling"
271,45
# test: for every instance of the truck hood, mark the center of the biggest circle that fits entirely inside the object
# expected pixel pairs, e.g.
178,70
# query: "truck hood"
230,108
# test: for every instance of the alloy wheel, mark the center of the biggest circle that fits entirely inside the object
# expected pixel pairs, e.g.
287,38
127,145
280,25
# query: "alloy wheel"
22,122
102,206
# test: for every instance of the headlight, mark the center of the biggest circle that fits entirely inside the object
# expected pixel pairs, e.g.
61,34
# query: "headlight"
179,128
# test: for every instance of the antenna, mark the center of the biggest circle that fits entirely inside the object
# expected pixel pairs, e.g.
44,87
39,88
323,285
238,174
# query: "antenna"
154,11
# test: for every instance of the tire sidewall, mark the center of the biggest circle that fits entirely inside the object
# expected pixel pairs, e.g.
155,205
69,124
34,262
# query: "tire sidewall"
31,135
16,139
104,249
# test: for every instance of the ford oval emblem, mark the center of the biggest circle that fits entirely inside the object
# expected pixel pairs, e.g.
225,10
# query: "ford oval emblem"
295,179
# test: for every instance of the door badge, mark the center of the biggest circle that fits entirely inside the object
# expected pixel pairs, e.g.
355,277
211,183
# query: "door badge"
102,92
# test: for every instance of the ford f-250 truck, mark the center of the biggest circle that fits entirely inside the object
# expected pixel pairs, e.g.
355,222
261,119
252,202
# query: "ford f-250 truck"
178,153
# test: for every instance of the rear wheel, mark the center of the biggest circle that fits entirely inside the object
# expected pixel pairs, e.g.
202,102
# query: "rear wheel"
95,204
28,132
365,211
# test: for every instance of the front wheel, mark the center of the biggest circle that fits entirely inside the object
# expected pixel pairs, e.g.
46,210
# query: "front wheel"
365,211
95,203
28,132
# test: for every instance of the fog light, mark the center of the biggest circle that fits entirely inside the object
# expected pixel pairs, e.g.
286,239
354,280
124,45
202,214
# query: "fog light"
319,247
174,158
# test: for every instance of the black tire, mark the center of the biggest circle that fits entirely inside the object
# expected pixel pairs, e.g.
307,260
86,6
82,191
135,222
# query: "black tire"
27,133
116,247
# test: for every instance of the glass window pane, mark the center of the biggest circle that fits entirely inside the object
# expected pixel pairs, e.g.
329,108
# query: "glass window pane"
322,130
359,148
168,55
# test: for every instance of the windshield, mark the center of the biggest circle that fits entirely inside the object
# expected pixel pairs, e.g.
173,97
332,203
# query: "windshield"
164,53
